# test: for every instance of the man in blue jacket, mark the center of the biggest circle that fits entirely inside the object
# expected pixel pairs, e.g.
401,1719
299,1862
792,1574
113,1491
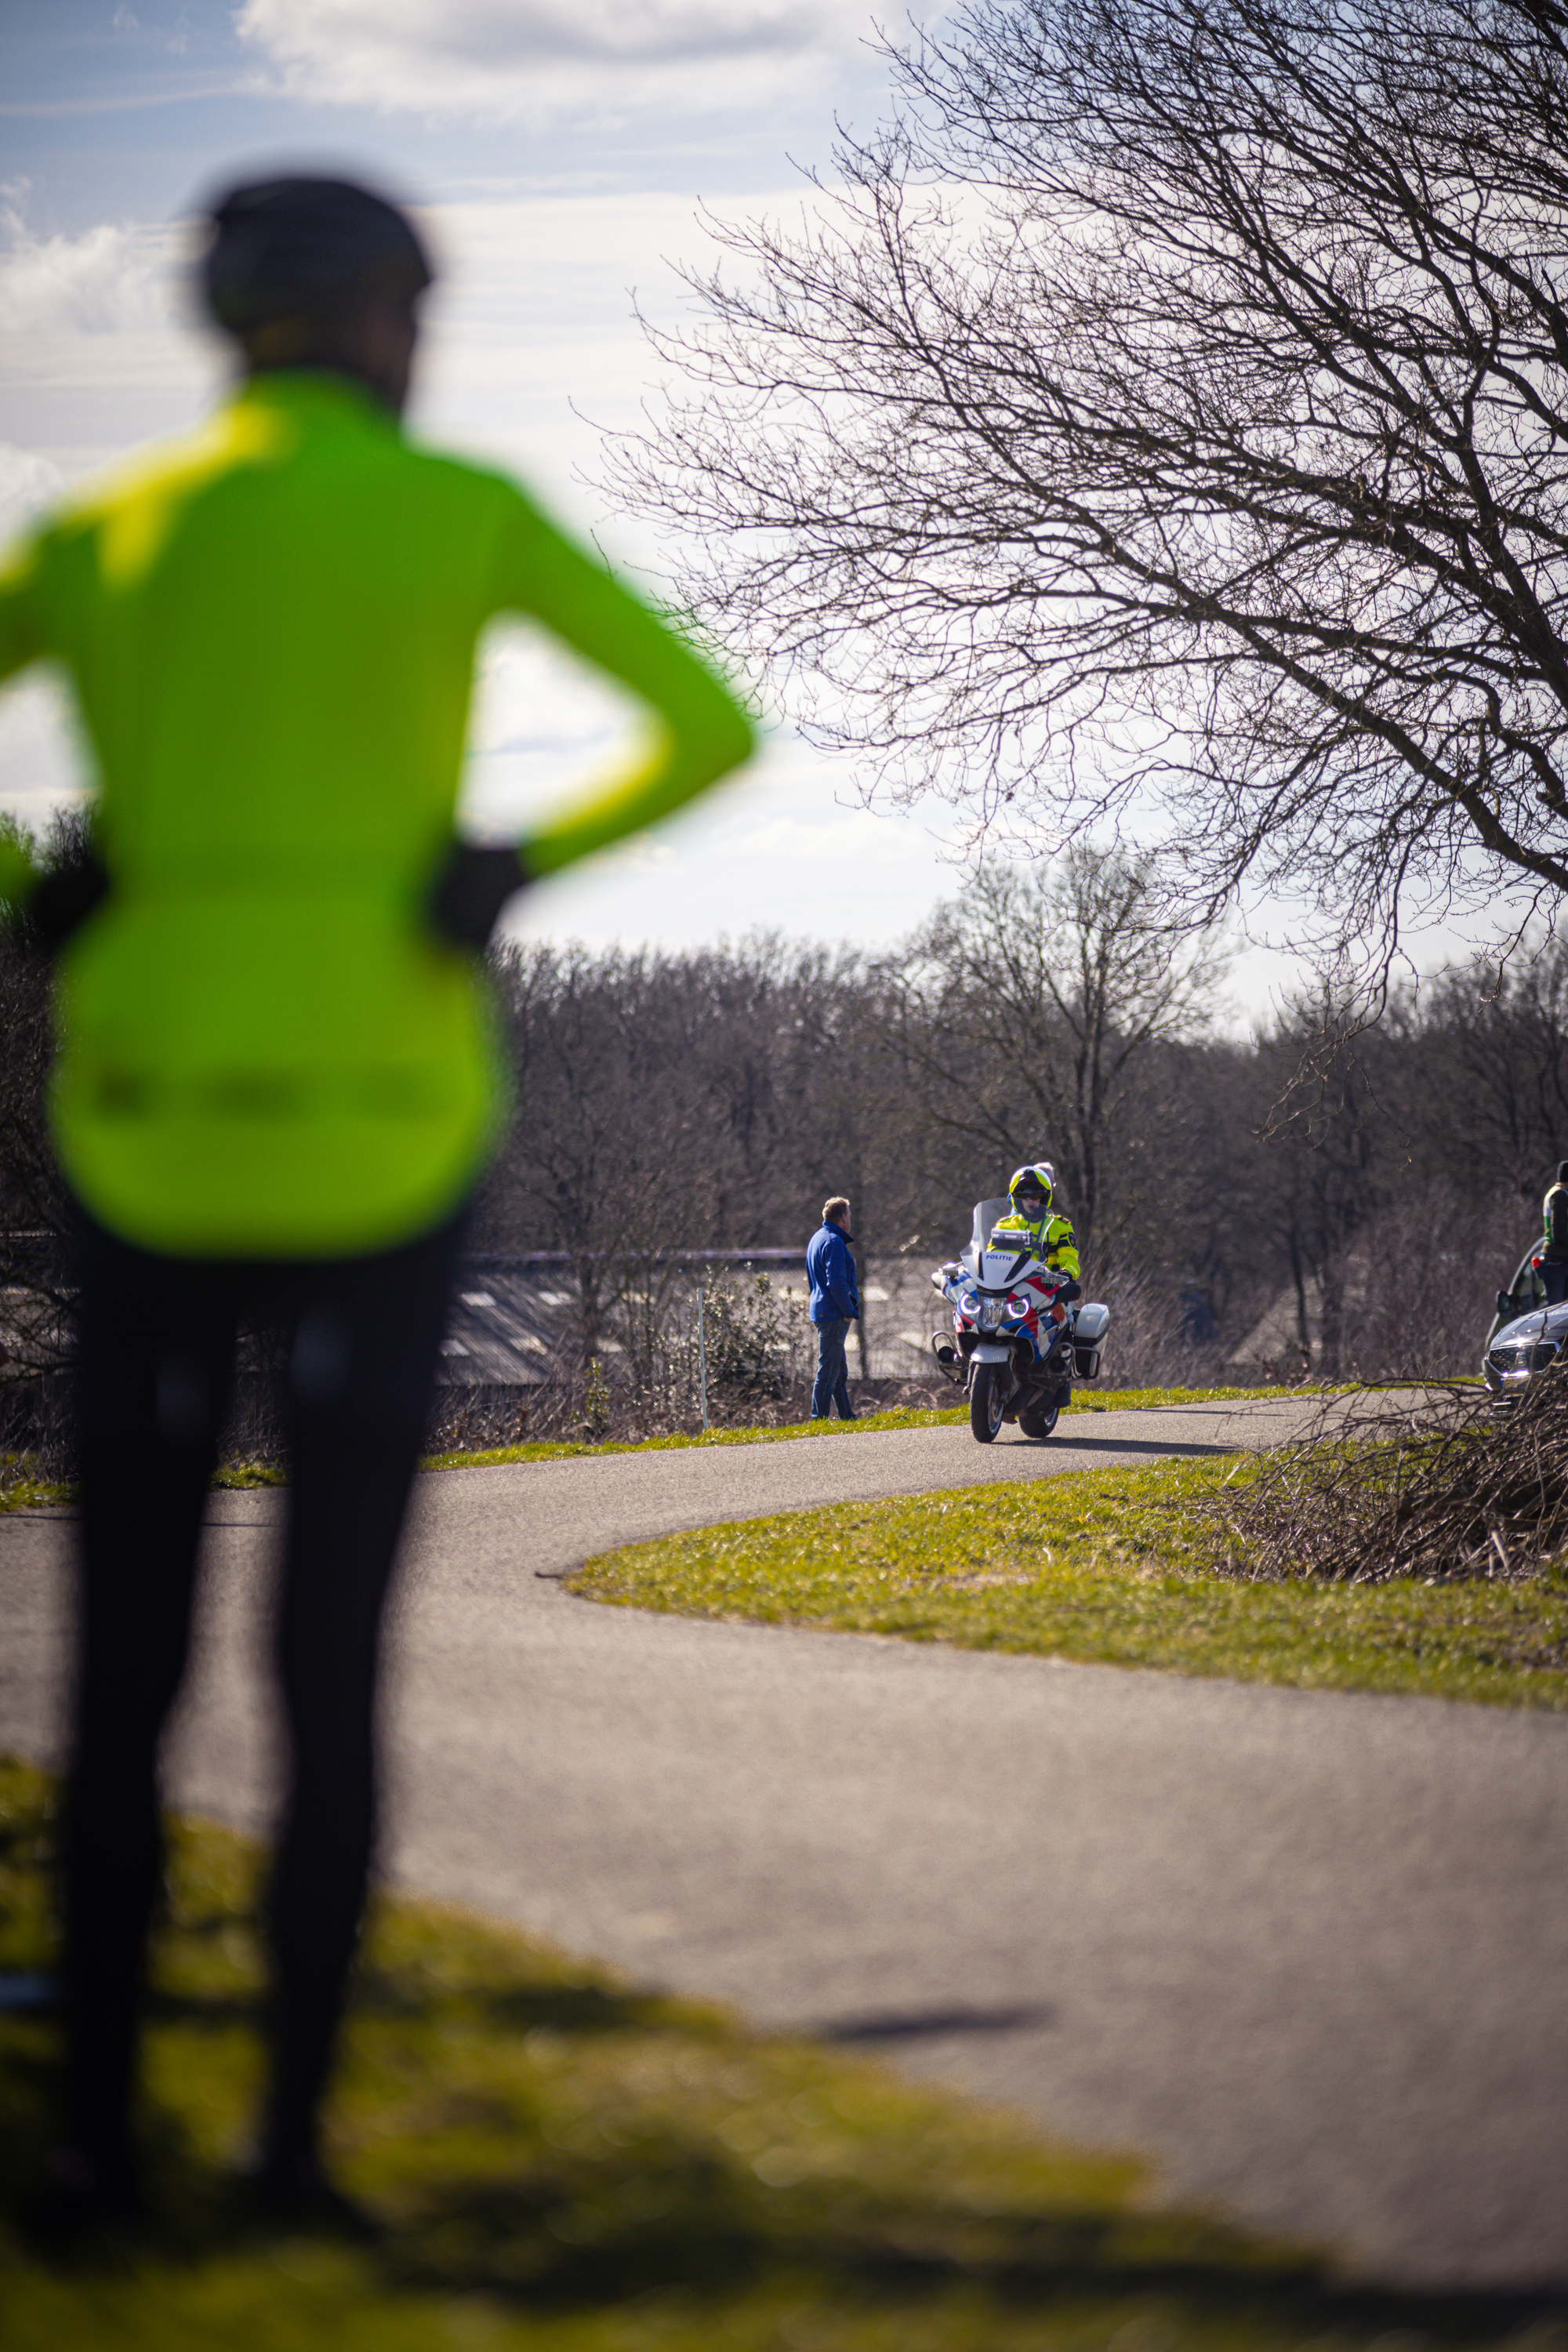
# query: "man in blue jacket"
835,1304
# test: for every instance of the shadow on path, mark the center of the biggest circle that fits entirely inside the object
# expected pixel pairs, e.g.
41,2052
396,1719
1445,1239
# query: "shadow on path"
916,2024
597,2167
1060,1443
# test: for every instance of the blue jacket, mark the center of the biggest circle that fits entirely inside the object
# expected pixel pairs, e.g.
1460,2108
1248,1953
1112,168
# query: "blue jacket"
831,1272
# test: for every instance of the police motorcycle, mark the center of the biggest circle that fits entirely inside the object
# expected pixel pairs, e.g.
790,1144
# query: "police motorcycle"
1019,1334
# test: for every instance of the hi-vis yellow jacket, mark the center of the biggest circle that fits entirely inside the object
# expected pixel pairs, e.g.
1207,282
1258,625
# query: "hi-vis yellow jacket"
1555,1219
1051,1240
270,629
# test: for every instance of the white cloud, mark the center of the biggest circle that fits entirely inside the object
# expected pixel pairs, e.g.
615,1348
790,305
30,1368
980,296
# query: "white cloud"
28,483
532,311
113,279
538,59
832,833
97,351
41,760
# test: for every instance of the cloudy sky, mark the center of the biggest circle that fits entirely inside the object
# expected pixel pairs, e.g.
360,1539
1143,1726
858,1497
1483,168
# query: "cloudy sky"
559,149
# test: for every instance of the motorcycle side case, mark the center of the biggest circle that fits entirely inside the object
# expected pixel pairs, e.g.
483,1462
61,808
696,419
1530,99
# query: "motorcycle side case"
1088,1331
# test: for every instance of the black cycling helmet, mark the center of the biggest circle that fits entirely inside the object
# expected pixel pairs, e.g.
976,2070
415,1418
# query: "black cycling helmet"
286,257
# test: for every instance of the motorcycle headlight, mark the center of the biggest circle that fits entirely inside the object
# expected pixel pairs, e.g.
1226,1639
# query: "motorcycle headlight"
969,1304
1020,1305
992,1311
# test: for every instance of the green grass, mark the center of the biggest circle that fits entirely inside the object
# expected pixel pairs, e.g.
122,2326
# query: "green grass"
1108,1566
239,1475
566,2164
25,1493
569,1449
33,1495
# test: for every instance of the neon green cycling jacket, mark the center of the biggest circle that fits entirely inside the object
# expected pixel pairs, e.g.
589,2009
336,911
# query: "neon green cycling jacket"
270,628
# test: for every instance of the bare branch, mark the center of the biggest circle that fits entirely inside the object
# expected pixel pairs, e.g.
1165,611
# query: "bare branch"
1167,413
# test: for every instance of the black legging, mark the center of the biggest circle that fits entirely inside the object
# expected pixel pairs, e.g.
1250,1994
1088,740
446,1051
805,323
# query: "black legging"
154,1376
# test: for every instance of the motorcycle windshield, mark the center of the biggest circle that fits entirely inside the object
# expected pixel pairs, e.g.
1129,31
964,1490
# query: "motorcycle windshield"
993,1267
986,1214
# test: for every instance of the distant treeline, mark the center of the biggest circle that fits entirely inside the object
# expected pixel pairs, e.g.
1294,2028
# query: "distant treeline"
1383,1178
1370,1186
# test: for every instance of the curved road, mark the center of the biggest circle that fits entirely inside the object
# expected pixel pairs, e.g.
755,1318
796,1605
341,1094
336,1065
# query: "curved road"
1306,1951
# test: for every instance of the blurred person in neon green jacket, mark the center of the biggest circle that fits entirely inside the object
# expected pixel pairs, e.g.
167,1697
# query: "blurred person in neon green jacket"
277,1077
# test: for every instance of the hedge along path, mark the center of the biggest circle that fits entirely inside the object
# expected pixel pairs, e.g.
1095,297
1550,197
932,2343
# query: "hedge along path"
20,1490
1114,1567
896,1417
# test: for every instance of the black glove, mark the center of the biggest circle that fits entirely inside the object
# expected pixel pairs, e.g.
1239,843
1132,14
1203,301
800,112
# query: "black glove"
470,892
64,898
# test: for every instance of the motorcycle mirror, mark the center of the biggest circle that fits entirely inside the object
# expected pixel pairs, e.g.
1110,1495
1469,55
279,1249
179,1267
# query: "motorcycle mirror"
939,1281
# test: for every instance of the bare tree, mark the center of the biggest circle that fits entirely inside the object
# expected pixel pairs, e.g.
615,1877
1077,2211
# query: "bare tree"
1028,1005
1334,1158
35,1210
606,1159
1484,1065
1170,406
32,1198
669,1103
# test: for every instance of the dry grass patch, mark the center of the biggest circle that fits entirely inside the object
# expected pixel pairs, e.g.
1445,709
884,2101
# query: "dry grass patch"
1456,1488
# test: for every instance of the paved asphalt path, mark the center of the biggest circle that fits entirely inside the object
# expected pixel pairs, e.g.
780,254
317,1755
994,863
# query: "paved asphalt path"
1305,1951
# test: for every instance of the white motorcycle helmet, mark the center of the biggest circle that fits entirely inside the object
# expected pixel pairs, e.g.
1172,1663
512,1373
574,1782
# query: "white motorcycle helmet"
1040,1176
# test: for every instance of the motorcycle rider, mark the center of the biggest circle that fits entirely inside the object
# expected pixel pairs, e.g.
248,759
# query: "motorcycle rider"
1032,1191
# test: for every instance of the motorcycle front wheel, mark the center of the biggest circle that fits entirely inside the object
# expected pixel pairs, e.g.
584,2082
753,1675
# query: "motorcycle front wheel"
1039,1420
987,1396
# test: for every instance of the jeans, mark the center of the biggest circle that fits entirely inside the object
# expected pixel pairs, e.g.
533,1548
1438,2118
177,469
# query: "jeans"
154,1372
831,1386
